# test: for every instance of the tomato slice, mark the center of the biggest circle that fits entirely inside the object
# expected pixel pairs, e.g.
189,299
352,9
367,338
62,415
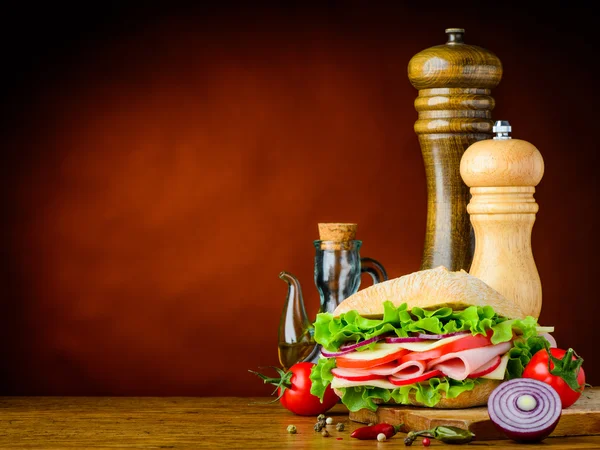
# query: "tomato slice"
355,375
489,368
466,343
346,363
425,376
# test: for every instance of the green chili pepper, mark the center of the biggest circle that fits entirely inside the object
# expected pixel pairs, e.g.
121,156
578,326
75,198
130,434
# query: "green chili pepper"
448,435
452,435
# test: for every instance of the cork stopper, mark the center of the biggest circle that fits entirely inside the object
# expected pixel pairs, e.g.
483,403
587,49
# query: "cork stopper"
337,231
336,235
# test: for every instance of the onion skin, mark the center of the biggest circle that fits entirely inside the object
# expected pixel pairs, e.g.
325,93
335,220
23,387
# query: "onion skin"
520,425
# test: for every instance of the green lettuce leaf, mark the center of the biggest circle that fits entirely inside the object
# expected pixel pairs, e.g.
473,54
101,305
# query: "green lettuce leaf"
521,353
429,393
331,332
321,376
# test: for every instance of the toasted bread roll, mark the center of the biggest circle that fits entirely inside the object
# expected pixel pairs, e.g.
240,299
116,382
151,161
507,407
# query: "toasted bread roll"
427,289
478,396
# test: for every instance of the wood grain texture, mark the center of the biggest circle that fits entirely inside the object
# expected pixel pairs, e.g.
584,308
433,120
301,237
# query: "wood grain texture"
583,418
502,175
184,423
454,106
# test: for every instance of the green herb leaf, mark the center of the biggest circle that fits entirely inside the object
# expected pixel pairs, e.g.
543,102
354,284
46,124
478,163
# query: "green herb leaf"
321,376
522,352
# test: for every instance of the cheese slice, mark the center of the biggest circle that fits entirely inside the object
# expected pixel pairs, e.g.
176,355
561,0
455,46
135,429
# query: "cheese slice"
340,383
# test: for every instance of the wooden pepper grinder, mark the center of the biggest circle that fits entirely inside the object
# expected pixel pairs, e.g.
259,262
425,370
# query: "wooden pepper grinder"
454,105
502,174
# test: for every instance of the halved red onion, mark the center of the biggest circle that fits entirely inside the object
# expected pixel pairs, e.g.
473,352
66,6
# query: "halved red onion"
524,409
441,336
348,348
400,340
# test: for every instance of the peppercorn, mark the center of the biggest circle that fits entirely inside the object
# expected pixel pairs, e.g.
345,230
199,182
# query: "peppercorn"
426,442
325,433
381,437
318,426
329,420
321,417
291,429
340,426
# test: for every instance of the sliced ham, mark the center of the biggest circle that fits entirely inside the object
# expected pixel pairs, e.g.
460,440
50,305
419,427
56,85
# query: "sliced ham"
409,369
355,374
459,365
488,367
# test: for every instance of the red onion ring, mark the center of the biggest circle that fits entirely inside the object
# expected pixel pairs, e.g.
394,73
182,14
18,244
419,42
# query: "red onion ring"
400,340
349,348
525,410
441,336
550,339
328,354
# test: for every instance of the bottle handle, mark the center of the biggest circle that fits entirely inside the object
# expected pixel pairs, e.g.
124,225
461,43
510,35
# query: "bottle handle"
373,268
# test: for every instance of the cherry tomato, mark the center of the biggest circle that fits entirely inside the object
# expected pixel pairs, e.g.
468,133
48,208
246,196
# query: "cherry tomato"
537,369
297,397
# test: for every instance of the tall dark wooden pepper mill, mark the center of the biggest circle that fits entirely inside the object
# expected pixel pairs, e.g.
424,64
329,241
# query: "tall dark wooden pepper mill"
454,105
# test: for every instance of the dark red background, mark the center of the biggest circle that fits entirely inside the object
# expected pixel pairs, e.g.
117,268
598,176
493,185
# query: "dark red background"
161,166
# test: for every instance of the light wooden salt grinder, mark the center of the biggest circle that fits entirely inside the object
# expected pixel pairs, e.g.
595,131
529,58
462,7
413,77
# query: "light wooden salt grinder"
455,106
502,174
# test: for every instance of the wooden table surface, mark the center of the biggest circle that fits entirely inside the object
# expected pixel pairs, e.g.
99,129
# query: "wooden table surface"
185,423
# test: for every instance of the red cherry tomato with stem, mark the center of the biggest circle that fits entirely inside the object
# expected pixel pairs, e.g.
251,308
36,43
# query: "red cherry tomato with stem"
564,373
293,389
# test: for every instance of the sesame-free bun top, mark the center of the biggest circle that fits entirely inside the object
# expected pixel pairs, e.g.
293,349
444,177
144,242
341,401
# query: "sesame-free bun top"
429,289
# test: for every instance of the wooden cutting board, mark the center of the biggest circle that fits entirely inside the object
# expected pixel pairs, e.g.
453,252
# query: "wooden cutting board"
581,419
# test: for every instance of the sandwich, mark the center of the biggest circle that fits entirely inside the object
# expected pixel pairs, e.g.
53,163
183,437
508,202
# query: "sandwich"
434,338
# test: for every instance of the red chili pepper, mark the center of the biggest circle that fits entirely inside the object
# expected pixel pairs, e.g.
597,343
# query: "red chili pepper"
372,431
